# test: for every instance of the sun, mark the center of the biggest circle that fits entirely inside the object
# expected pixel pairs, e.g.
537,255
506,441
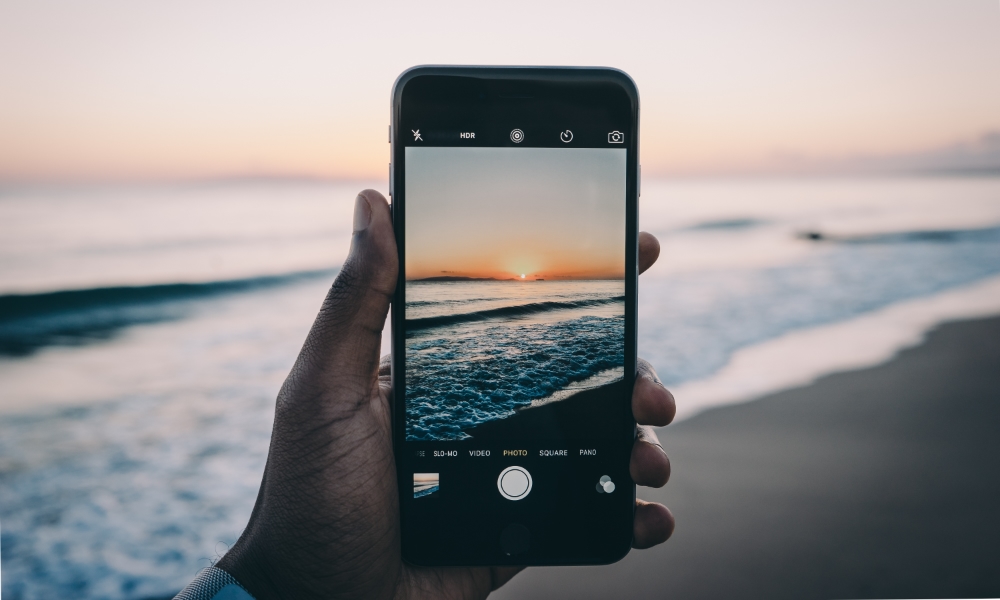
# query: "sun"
522,275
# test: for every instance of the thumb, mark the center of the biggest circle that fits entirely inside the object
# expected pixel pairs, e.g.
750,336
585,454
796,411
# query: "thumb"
341,352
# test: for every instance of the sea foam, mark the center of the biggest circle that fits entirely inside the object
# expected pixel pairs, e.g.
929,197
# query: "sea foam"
800,357
458,377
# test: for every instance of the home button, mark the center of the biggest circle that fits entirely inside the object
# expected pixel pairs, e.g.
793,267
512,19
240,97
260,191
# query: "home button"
515,539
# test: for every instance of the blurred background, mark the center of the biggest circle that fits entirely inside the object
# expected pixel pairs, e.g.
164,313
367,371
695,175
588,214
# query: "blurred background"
176,187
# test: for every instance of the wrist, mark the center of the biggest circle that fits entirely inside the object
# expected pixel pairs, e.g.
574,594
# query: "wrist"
255,571
213,583
269,569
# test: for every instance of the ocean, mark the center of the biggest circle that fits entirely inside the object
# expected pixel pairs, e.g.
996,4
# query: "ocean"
145,331
477,350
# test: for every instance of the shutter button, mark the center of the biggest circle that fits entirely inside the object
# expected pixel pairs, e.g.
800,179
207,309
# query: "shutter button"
514,483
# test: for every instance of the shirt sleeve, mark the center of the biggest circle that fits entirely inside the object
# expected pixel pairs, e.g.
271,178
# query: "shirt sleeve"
214,584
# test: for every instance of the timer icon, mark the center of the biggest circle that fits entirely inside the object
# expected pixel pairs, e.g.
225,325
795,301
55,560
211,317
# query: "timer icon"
566,136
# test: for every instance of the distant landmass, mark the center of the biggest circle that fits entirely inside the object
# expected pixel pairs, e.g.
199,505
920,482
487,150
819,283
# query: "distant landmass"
453,278
977,157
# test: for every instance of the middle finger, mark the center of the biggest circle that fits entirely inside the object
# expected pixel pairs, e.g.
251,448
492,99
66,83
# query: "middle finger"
649,465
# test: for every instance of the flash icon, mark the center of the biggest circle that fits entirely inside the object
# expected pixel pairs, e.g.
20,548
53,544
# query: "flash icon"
416,135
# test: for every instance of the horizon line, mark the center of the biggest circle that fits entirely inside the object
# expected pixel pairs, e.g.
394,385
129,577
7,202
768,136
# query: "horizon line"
222,179
462,279
659,175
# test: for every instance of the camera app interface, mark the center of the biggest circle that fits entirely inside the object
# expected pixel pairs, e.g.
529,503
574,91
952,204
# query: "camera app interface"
514,323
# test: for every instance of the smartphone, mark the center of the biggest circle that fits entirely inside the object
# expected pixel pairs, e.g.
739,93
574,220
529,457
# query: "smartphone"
514,201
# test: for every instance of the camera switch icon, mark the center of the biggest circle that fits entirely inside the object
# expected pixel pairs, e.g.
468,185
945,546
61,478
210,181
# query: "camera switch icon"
605,485
616,137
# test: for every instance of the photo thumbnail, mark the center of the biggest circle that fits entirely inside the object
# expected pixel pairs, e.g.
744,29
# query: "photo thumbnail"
426,484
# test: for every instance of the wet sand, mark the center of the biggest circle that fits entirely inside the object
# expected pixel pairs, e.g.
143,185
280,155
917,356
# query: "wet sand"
878,483
570,417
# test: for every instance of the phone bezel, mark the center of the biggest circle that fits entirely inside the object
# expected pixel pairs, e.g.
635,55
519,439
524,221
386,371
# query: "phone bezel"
583,75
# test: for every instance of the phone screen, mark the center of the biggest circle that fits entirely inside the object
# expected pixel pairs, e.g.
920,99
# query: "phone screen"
515,288
516,323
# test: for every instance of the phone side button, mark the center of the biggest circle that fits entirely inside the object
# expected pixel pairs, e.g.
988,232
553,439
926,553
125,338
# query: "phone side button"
515,539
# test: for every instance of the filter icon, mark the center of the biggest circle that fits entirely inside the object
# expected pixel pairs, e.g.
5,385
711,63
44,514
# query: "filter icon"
605,485
517,136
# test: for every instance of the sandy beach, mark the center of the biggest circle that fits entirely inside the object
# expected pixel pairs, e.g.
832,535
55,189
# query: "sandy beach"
876,483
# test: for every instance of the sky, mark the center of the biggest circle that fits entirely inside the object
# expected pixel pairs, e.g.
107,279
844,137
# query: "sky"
120,90
488,213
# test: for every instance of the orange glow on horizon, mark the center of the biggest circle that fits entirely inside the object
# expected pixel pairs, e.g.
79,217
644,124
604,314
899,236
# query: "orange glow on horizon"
508,257
581,273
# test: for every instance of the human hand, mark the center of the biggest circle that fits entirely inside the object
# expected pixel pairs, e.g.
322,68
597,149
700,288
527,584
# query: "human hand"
326,521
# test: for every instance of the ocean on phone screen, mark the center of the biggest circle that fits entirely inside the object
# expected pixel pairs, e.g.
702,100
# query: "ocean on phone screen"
146,331
478,350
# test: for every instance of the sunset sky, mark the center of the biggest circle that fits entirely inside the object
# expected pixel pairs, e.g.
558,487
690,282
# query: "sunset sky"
117,90
488,213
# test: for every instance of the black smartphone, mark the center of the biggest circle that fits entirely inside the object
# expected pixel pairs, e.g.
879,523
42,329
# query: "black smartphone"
515,200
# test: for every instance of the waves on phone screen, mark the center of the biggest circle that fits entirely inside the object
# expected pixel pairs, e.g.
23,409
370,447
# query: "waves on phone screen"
476,366
413,325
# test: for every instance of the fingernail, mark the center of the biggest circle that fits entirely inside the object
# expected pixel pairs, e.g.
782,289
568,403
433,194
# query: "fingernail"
362,213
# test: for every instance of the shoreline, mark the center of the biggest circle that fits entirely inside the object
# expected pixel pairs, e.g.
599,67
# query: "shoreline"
568,418
802,356
873,483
